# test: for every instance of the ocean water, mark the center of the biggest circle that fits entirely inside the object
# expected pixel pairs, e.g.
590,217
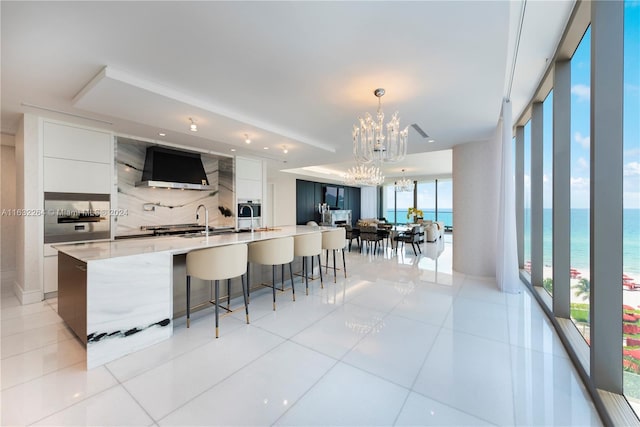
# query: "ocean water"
580,236
443,215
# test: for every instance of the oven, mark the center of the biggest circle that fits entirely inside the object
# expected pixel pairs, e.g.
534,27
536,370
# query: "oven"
245,212
71,217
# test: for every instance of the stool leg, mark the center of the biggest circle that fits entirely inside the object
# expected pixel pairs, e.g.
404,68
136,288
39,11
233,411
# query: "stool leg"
244,295
326,266
293,289
217,295
228,294
188,301
273,279
305,273
248,284
334,266
344,264
320,268
282,277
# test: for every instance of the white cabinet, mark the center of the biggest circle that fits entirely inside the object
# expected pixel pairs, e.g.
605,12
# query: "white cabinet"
249,169
249,189
249,182
74,176
50,269
74,143
76,159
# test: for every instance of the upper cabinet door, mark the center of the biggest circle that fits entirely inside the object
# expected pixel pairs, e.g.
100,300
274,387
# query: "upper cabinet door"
248,169
73,143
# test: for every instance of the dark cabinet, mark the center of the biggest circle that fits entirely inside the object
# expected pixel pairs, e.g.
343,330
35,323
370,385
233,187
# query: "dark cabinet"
72,294
310,194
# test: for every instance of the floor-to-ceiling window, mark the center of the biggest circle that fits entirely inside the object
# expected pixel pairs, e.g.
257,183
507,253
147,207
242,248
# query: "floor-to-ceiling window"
595,119
427,199
580,191
527,196
397,204
547,193
445,202
631,206
435,200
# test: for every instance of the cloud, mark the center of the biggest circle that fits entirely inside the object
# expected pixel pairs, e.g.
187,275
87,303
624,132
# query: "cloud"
579,183
584,141
583,92
631,200
631,152
631,169
582,163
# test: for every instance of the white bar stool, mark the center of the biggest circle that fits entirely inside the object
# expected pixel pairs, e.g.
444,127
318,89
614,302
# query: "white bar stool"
215,264
334,240
305,245
273,252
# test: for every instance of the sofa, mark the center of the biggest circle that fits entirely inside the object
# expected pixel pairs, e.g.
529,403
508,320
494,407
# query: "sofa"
434,230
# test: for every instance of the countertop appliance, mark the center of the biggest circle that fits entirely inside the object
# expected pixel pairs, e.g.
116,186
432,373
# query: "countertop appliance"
71,217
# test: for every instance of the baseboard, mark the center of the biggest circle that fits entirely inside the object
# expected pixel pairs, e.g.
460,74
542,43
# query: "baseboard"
27,297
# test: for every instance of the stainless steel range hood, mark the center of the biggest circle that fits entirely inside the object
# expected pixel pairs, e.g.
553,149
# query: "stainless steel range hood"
167,168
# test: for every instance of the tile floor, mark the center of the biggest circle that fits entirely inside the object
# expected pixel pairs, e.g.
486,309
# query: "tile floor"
401,341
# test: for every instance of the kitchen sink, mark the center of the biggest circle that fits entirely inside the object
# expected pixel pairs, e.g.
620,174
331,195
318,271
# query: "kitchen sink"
192,235
247,230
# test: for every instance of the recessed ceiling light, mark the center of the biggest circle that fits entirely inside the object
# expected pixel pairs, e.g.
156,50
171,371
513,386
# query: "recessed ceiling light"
246,139
162,134
266,148
284,149
233,149
431,140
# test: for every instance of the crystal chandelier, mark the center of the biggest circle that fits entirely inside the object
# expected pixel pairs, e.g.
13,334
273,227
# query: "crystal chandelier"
364,175
405,184
370,144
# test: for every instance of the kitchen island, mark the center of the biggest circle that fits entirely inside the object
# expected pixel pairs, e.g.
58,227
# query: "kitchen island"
117,296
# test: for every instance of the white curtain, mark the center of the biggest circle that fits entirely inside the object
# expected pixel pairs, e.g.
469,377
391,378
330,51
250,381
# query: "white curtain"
507,274
369,202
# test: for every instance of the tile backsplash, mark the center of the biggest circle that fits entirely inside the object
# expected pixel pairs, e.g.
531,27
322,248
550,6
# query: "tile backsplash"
159,206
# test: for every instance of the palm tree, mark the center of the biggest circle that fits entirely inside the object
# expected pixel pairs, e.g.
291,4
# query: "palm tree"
548,284
583,288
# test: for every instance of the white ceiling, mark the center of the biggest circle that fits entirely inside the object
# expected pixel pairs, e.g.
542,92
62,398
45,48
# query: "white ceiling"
294,74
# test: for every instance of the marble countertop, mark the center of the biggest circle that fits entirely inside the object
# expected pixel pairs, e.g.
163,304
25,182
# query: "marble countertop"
92,251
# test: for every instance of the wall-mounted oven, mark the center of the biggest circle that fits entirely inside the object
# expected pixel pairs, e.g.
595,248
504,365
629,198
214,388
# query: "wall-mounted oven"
71,217
245,210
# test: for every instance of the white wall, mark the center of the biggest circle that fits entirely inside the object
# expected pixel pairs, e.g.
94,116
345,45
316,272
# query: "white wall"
8,201
476,167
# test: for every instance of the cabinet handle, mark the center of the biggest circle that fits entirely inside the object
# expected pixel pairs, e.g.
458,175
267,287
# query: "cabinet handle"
81,268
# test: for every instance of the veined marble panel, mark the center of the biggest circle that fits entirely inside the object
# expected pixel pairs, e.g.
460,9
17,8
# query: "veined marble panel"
129,305
161,206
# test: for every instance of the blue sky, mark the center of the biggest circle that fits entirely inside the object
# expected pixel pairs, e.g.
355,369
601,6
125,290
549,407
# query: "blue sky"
580,120
580,127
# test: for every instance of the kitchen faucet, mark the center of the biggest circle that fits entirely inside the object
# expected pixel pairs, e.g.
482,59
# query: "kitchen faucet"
251,210
206,218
